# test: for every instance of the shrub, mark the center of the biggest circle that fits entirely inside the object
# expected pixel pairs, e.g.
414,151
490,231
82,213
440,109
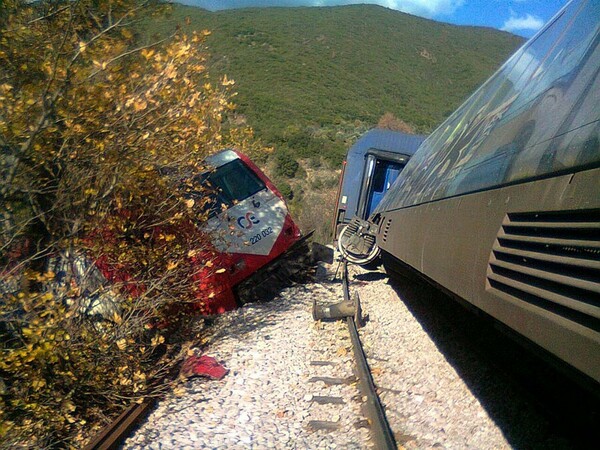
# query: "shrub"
303,144
390,122
316,184
286,189
335,153
285,165
66,371
318,218
91,120
315,162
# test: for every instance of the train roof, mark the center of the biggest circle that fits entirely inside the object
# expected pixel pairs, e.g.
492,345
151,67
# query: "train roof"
387,140
221,158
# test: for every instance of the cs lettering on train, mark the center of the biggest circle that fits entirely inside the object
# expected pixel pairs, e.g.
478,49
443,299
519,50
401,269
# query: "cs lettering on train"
247,221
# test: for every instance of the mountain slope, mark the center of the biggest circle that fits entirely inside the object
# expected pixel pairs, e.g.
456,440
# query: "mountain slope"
312,80
325,66
350,62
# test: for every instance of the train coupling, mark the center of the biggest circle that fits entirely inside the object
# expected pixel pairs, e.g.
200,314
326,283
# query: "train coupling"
357,242
341,310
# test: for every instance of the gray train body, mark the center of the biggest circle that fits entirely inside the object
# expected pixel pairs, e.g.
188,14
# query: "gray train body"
372,163
501,204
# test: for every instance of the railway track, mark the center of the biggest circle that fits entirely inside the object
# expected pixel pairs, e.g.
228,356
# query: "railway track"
117,431
372,415
350,311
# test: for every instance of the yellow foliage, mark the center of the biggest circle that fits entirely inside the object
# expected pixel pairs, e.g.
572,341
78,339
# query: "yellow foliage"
88,123
122,344
157,340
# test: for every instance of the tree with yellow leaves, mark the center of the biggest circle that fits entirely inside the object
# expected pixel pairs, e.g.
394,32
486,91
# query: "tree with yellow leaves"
91,120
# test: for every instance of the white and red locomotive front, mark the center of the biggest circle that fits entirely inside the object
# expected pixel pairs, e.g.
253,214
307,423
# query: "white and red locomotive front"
249,224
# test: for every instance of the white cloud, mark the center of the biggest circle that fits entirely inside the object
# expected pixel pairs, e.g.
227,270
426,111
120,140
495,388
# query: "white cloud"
427,8
526,22
424,8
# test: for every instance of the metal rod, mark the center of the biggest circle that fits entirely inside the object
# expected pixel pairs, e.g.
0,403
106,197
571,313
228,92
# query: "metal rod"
345,287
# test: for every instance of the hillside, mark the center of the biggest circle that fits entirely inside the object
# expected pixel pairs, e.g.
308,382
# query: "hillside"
326,67
310,81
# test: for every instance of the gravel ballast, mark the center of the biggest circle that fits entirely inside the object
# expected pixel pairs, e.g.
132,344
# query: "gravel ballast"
274,349
267,399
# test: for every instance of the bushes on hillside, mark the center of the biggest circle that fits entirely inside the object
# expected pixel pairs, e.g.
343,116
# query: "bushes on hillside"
303,144
390,122
318,218
316,145
285,165
286,190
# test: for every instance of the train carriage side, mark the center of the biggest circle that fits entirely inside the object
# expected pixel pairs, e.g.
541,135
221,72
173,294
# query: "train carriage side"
501,204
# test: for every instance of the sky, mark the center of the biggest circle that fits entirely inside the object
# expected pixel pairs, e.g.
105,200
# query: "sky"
522,17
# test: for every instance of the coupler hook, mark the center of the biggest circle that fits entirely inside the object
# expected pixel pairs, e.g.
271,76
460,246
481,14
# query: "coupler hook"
341,310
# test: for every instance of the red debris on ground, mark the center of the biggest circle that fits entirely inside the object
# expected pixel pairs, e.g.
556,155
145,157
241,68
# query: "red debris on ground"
205,366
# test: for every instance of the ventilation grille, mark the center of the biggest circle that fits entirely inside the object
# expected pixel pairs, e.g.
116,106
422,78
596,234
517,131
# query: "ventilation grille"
386,229
551,260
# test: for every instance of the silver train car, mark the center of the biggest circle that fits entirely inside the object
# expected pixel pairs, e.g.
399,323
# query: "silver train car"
500,205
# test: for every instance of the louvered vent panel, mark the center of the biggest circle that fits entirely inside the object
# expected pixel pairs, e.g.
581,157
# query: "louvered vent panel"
386,229
551,260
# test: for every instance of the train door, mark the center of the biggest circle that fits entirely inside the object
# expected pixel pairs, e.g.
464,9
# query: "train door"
380,174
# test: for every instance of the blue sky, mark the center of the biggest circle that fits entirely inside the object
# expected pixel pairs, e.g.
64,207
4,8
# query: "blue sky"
522,17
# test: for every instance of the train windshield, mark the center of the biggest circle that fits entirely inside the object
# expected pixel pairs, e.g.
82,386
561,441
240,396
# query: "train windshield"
230,184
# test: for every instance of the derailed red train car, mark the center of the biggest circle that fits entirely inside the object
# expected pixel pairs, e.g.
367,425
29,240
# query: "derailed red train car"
249,222
249,229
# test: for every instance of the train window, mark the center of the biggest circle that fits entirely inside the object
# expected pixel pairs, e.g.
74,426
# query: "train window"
555,53
455,143
379,176
526,121
230,184
236,182
568,104
568,53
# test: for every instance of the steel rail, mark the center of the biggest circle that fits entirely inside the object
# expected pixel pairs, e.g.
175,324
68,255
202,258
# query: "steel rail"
381,433
118,430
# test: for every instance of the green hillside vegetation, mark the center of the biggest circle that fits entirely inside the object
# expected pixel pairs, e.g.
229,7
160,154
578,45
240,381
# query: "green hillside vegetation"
308,77
310,81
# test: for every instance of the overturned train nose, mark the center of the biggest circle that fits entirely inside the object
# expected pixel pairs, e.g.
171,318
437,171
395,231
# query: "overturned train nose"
357,242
